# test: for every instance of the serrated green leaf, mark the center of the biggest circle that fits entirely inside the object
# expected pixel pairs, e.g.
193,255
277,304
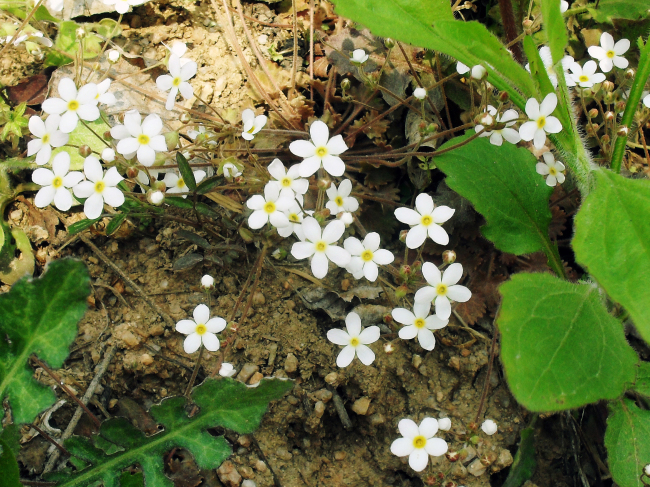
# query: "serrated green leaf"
115,223
81,225
560,347
554,28
612,240
83,136
221,402
642,383
39,316
186,171
609,10
11,436
502,184
628,442
9,467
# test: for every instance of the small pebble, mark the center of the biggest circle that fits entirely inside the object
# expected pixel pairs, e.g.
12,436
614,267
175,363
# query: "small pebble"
332,378
319,409
244,440
476,468
290,364
258,299
246,472
246,372
256,377
323,395
228,474
361,406
283,454
417,361
146,359
340,455
260,466
248,483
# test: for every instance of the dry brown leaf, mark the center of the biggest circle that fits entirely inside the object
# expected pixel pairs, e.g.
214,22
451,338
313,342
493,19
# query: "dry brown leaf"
31,90
558,220
472,310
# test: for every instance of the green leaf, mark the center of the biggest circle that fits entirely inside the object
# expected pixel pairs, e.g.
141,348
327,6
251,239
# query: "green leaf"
128,479
7,247
81,225
612,240
84,136
179,202
524,464
67,42
555,28
628,442
9,466
39,316
221,402
609,10
560,347
537,68
115,223
502,184
642,383
186,171
206,210
207,184
41,13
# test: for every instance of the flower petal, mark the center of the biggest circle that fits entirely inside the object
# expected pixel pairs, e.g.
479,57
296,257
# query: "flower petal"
369,335
112,177
346,356
319,265
443,308
45,196
403,316
68,122
128,145
192,343
88,112
94,206
146,155
527,130
402,447
84,189
539,139
54,106
309,166
216,325
424,204
152,125
87,94
186,327
408,332
113,197
93,169
311,229
132,122
258,219
431,273
553,125
408,216
436,447
366,355
302,250
67,89
210,341
435,323
408,428
353,245
336,145
438,234
333,231
319,133
338,336
532,109
302,148
201,314
333,165
43,177
442,213
416,236
383,257
418,460
459,293
426,339
452,274
428,427
548,104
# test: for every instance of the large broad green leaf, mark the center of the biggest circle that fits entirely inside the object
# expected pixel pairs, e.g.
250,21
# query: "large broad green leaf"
9,446
67,42
222,402
502,184
39,317
560,347
628,442
612,240
83,135
619,9
642,383
554,28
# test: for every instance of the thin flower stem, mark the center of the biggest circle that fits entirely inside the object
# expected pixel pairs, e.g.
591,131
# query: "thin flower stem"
486,384
50,439
117,24
645,147
20,28
95,133
190,384
211,108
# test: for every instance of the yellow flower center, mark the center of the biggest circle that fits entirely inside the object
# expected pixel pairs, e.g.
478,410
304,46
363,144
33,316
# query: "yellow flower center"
269,207
286,182
99,186
251,130
541,121
46,138
293,217
180,183
419,442
552,171
73,105
143,139
426,220
321,151
441,289
321,246
419,323
57,182
583,78
176,82
201,328
366,255
611,54
339,201
354,342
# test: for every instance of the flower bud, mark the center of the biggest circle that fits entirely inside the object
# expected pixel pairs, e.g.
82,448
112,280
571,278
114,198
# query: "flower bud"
85,151
593,113
108,155
161,158
452,456
609,116
389,43
207,281
279,254
132,172
345,84
185,117
444,424
605,139
80,33
120,117
504,96
488,458
620,106
609,97
38,54
159,186
432,128
608,86
486,119
449,256
324,183
646,470
388,348
420,93
489,427
171,138
113,56
629,73
246,234
405,270
451,483
527,24
479,72
156,198
388,319
346,217
402,235
623,131
401,291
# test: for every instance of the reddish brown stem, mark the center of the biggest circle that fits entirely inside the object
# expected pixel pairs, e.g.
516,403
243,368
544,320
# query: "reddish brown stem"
510,27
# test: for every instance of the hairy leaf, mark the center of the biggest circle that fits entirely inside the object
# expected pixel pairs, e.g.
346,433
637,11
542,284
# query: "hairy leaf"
619,9
612,240
222,402
502,184
39,317
642,383
81,225
554,28
8,466
628,442
186,171
560,347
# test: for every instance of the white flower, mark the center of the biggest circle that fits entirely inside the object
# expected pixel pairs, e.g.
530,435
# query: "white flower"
230,170
140,137
489,427
178,80
366,256
177,184
156,198
346,217
586,76
418,442
113,55
320,150
646,101
340,199
122,6
54,5
552,169
425,220
289,182
201,330
226,370
610,54
73,104
444,424
461,68
178,48
207,281
564,6
251,123
359,56
48,136
442,288
547,60
419,323
269,208
103,96
497,135
56,183
646,470
319,246
420,93
354,341
99,188
108,155
479,72
295,216
541,122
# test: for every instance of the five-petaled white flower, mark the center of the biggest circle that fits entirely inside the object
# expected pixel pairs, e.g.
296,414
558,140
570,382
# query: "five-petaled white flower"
586,76
230,170
201,330
73,104
505,120
420,93
610,54
340,199
176,183
48,136
425,220
103,96
295,215
269,208
319,246
207,281
122,6
99,189
288,181
320,150
366,256
419,323
56,183
541,122
442,288
552,169
251,123
418,442
547,60
140,137
177,79
354,341
359,56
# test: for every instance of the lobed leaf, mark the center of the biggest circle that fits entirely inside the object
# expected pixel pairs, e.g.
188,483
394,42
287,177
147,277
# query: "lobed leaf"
612,240
39,316
608,10
560,347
